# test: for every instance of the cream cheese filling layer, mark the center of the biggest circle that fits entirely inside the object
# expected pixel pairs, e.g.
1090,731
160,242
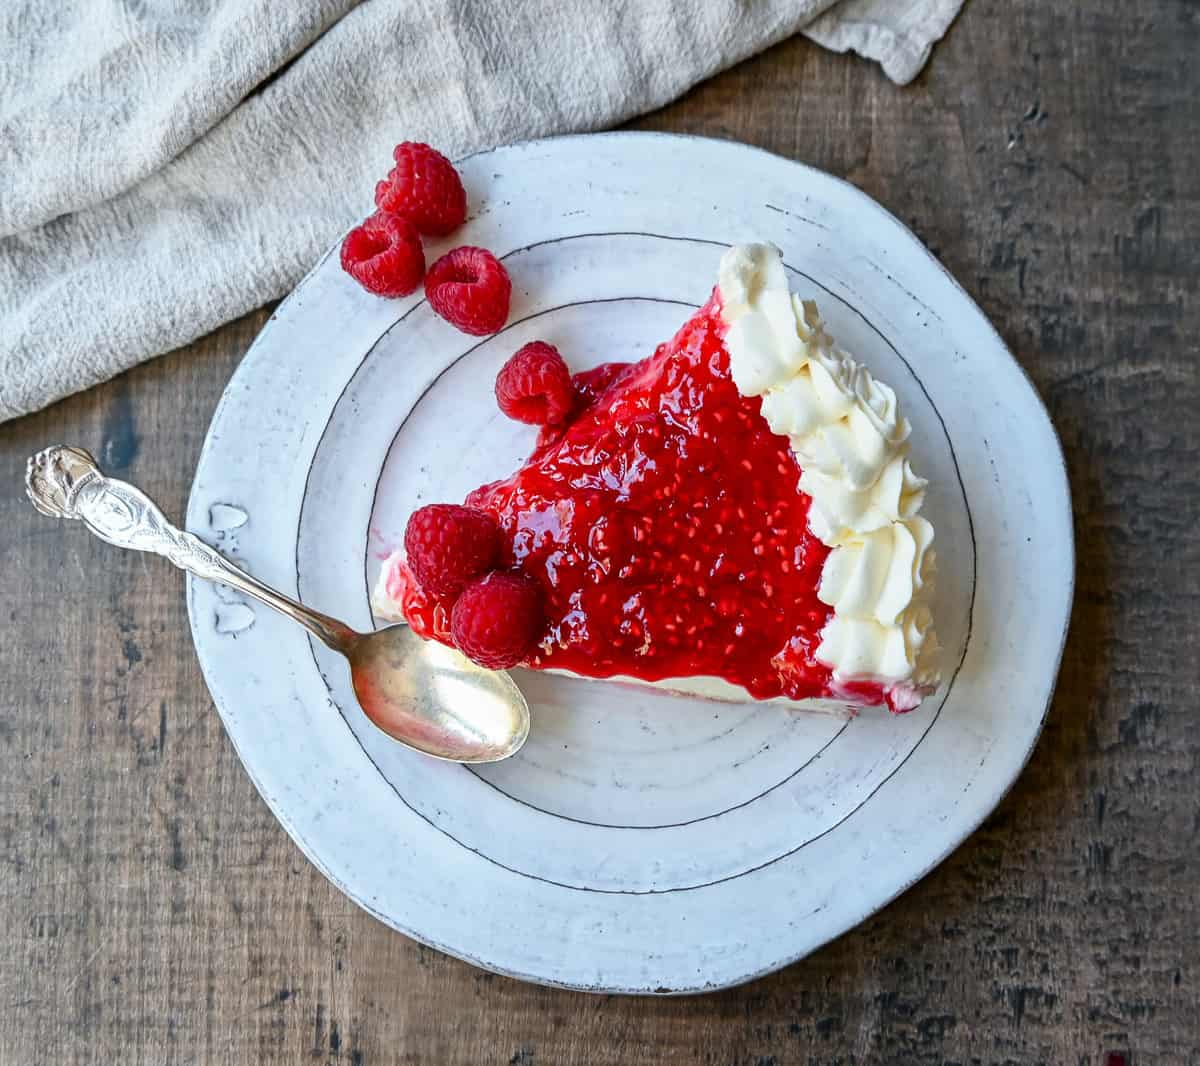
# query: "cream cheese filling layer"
851,443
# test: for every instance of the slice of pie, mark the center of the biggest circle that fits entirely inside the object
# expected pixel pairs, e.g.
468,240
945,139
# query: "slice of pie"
734,516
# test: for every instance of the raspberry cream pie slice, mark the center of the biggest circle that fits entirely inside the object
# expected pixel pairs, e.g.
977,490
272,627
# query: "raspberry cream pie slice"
734,516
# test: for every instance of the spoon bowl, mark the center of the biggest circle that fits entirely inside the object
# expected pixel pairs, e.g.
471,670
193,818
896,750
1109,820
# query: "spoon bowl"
418,692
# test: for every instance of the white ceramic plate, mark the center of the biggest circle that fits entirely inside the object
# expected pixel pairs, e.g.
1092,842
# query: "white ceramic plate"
639,842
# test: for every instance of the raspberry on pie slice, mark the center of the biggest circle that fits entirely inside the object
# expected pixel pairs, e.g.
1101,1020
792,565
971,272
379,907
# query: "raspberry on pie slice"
734,516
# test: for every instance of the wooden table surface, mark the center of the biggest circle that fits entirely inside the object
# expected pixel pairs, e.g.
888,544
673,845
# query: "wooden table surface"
154,912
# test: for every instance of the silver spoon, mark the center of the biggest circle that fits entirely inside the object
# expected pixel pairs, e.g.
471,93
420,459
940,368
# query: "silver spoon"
419,692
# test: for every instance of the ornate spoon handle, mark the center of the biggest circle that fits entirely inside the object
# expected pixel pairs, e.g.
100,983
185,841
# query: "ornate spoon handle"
65,482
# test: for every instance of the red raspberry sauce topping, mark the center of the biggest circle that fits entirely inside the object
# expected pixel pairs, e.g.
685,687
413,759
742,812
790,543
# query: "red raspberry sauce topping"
667,531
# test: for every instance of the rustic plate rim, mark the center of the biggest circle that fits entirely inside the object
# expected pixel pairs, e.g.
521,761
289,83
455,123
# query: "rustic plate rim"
982,809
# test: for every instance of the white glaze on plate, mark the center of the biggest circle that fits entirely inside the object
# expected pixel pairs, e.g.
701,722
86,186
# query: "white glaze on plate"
632,846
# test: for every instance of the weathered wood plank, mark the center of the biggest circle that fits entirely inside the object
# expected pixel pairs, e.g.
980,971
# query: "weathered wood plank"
155,912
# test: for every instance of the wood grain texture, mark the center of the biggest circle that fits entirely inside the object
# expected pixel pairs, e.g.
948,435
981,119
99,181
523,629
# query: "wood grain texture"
155,912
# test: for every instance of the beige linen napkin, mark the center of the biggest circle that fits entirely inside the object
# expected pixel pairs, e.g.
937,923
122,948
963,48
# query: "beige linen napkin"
168,166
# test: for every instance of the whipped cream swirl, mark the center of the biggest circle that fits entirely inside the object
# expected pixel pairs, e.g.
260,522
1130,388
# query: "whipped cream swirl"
851,443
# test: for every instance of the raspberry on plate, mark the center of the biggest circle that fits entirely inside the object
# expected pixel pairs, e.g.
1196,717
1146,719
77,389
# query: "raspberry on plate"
498,619
384,255
424,188
448,545
535,386
470,289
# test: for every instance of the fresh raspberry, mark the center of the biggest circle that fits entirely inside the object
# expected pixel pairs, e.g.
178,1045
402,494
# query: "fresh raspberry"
384,256
424,188
469,288
498,619
534,386
448,545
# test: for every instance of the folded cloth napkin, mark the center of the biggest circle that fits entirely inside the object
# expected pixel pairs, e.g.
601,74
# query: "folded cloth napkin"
168,165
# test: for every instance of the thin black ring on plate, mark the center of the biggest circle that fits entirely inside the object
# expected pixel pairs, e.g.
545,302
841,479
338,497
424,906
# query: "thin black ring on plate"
792,851
577,303
425,391
669,825
553,814
367,585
